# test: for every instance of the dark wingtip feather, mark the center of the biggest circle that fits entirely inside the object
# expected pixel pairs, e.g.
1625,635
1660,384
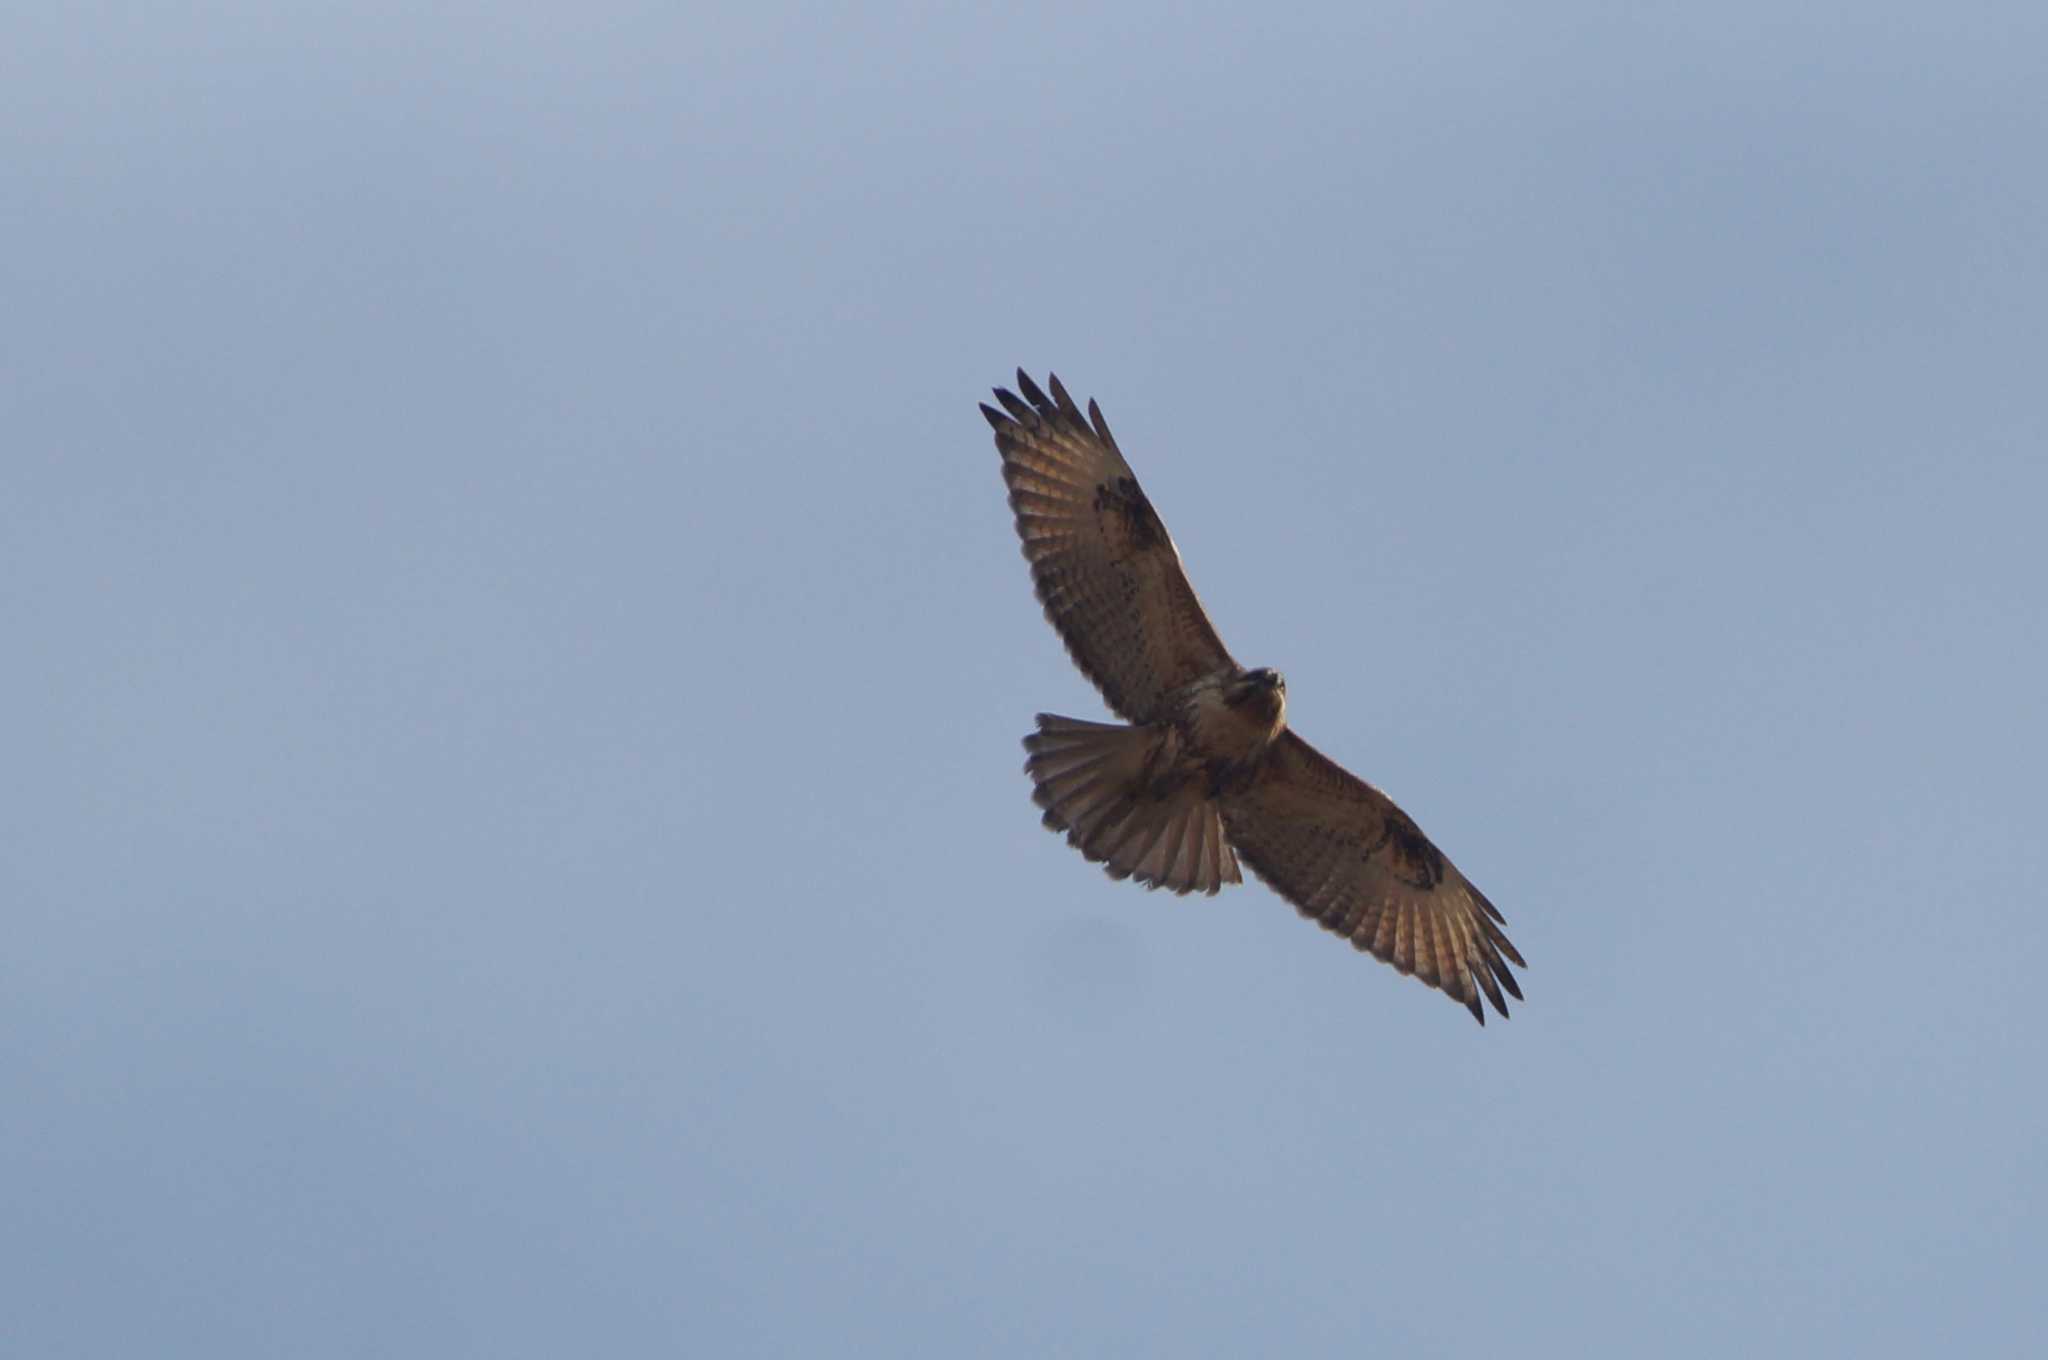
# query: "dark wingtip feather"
1481,975
1485,905
1101,425
1478,1011
1031,390
1060,397
1019,412
996,419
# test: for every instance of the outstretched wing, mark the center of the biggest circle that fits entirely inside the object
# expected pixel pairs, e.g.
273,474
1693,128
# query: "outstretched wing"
1105,568
1341,852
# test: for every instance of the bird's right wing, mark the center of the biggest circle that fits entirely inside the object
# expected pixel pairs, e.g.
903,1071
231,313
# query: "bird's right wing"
1105,568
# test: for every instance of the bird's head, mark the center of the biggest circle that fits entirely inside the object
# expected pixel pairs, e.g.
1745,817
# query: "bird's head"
1261,691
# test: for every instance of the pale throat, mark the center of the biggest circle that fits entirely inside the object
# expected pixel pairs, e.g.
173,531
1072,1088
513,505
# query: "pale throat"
1219,729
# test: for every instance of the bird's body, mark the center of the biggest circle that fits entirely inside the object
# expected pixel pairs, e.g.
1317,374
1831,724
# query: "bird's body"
1207,770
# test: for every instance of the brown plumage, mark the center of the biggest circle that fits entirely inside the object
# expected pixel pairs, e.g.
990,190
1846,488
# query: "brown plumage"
1207,773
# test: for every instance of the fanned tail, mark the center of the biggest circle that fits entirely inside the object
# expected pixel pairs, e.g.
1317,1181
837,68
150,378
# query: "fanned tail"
1102,785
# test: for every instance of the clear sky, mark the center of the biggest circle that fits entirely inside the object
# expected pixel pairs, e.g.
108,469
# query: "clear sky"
514,837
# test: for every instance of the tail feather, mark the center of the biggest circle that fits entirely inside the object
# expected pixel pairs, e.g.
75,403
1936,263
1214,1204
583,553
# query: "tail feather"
1098,783
1159,861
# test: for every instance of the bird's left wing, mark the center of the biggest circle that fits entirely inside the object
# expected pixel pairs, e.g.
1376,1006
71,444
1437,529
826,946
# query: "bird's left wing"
1345,856
1105,567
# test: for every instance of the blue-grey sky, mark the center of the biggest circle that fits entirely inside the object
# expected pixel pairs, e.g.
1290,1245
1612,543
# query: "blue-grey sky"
515,843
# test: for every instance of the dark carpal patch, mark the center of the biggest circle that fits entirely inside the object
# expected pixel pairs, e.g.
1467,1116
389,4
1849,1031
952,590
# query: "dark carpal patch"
1412,858
1126,499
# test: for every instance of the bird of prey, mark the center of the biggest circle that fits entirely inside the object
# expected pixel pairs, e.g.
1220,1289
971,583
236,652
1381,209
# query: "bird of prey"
1207,771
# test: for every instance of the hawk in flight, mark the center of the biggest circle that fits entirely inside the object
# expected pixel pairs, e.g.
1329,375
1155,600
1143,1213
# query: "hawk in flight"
1208,772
